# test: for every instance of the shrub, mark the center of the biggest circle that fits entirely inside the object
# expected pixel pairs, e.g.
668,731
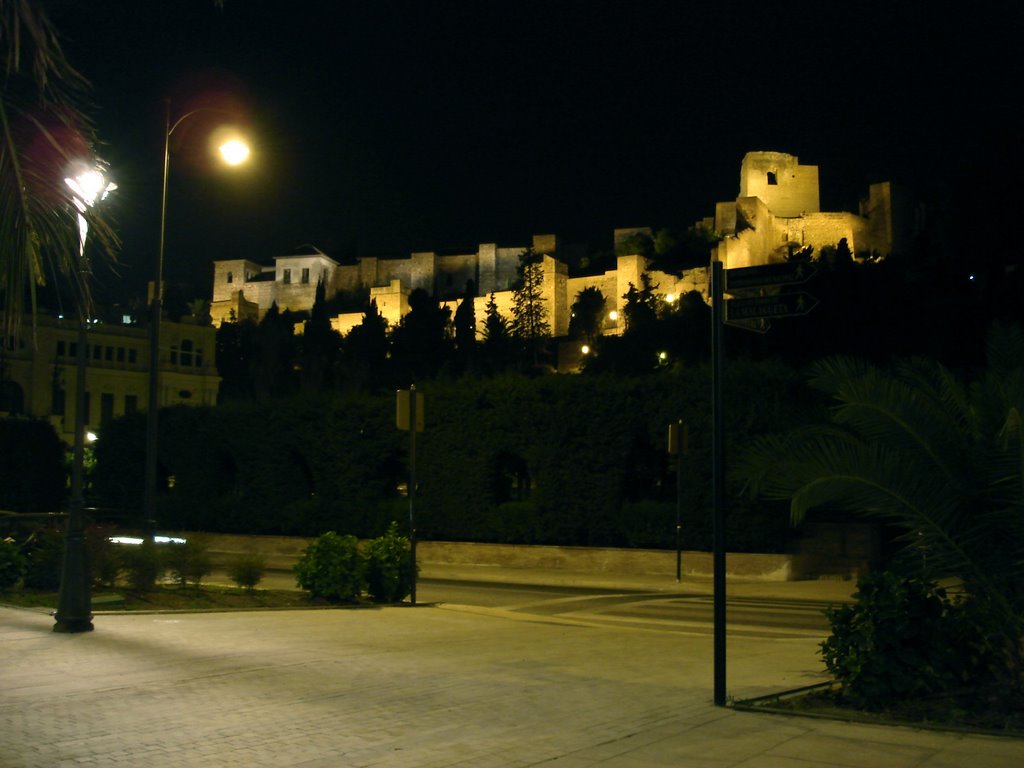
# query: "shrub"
12,564
189,562
143,566
44,554
332,568
104,556
903,638
247,570
389,566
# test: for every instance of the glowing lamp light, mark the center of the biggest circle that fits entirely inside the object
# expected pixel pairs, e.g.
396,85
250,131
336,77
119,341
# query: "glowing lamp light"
234,152
613,315
663,356
585,349
91,437
670,297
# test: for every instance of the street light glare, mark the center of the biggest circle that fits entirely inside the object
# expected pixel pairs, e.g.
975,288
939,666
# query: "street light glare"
234,152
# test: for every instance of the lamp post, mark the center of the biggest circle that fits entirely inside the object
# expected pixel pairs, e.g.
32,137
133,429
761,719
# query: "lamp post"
74,604
234,151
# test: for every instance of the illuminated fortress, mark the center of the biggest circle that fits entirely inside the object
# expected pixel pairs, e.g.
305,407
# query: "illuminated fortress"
776,212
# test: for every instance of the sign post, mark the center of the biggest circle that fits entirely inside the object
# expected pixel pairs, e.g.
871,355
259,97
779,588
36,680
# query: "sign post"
679,446
409,417
751,308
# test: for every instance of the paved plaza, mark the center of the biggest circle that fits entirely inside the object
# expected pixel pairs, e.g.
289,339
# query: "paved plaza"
424,687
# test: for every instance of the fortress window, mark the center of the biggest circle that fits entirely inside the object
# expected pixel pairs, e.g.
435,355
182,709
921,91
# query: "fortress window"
231,278
772,179
305,275
286,276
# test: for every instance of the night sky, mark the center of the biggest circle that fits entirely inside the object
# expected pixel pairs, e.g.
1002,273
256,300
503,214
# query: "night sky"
383,127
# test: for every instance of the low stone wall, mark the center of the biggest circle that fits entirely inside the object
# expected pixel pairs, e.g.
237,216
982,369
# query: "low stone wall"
282,552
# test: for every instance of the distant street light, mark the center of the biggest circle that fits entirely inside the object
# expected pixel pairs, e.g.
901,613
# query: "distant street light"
74,604
234,151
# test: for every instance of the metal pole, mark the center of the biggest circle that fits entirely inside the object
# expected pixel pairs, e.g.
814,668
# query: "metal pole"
412,489
718,477
679,501
74,603
153,412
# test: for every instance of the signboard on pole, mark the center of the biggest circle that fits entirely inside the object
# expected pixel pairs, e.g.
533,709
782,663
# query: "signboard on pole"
405,408
780,305
767,275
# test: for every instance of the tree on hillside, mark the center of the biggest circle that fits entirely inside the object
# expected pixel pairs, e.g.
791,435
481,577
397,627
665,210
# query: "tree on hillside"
272,365
365,351
465,326
320,346
587,314
529,316
422,342
641,308
497,341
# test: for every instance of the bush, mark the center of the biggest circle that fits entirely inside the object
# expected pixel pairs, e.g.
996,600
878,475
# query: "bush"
12,564
188,563
44,554
104,556
247,570
389,567
143,566
332,568
903,638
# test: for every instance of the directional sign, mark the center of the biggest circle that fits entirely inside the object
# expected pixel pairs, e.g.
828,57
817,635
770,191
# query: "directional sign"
783,273
783,305
757,325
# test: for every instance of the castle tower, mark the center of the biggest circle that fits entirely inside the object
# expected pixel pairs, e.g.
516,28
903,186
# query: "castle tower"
787,188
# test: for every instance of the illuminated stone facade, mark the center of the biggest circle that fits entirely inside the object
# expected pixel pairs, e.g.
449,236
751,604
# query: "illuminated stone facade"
40,379
776,213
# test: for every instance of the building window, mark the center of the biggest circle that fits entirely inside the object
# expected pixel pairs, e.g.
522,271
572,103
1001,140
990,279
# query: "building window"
305,275
772,179
131,355
186,352
131,404
59,400
106,407
174,354
73,349
109,354
97,352
286,276
60,349
231,278
120,354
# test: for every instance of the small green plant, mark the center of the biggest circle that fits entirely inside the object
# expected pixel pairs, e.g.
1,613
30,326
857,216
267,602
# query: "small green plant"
903,638
332,568
143,566
12,564
188,562
44,555
389,567
247,570
104,556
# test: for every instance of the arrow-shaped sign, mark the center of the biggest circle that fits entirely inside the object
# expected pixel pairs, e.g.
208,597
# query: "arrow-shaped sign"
783,273
783,305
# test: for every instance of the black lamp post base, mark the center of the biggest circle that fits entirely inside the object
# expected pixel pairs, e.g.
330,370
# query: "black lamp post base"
73,625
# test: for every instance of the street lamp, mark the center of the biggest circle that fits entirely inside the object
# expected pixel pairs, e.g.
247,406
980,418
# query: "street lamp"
74,604
233,151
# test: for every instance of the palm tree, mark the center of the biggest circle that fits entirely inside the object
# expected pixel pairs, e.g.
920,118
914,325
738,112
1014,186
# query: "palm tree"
917,447
43,132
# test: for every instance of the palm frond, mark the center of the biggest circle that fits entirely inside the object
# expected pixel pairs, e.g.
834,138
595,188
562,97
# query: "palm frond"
43,132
